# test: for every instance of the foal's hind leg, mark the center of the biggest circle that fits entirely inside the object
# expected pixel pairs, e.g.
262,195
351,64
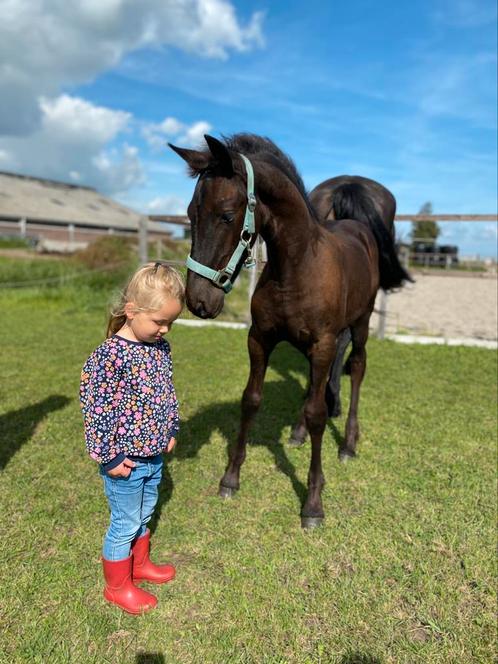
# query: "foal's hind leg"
300,431
332,391
315,411
259,352
357,362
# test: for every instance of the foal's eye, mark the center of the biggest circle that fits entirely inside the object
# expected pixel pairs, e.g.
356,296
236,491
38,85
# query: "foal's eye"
227,217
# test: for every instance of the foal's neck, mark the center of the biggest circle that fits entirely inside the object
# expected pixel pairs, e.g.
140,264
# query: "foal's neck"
291,231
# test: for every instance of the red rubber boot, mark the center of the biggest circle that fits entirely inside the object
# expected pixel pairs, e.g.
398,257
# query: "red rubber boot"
120,589
143,568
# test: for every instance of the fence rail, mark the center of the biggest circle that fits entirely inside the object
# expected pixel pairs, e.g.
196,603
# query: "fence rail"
183,220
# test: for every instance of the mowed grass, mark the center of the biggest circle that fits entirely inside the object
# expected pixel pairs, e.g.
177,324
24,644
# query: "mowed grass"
402,571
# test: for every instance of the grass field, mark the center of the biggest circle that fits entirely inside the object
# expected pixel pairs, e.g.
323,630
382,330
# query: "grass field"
403,570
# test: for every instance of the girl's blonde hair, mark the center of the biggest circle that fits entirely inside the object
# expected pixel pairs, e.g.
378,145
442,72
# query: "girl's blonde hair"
148,288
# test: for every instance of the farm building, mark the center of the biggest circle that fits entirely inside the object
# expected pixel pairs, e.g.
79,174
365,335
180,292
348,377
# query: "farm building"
64,217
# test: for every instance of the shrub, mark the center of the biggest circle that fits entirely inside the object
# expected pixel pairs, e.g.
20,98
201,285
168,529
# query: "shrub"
108,252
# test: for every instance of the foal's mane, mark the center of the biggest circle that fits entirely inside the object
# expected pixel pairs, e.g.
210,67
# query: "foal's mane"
265,149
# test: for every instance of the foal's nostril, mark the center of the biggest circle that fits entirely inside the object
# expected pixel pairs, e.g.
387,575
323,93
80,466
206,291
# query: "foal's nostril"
201,310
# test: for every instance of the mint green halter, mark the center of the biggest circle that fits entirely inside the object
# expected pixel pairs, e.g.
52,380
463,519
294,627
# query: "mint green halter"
223,278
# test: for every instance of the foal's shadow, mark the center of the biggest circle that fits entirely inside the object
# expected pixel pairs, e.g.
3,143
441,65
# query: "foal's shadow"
282,401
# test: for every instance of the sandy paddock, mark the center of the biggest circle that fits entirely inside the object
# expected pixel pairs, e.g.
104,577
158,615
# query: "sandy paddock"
449,306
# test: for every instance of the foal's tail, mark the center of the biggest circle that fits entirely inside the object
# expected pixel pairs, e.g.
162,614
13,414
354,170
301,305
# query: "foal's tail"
351,201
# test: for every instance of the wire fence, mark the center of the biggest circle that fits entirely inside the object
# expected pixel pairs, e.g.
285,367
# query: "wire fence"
61,279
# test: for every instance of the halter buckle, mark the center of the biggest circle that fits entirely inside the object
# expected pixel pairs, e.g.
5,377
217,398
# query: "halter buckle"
245,239
251,202
249,262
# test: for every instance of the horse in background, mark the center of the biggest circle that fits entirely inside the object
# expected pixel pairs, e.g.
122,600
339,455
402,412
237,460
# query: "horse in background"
321,279
347,197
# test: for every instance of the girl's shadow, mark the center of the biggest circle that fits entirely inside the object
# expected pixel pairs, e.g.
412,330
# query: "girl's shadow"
281,405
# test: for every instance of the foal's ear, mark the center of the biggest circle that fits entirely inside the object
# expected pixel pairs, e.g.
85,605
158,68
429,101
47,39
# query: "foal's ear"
197,161
221,155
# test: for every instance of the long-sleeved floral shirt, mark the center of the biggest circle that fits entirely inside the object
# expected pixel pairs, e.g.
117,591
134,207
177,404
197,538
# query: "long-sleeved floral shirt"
128,400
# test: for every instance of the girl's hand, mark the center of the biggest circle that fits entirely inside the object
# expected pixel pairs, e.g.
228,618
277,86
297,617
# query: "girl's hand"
171,444
123,470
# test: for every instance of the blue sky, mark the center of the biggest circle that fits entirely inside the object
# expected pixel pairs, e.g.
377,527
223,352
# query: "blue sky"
404,93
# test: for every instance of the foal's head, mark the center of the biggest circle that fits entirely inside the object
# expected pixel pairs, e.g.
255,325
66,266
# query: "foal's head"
216,212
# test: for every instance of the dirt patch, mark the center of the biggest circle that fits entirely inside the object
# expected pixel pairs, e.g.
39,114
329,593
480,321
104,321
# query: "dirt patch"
448,306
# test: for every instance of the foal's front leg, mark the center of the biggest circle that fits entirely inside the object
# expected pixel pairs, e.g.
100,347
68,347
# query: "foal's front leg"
315,411
259,352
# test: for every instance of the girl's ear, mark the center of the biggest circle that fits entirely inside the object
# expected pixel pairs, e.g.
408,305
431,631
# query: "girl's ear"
129,310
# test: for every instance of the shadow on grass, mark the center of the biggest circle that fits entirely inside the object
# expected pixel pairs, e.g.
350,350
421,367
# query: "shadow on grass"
18,426
165,493
282,401
150,658
360,658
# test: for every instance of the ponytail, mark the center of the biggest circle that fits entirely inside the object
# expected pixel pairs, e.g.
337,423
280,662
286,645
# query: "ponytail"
115,323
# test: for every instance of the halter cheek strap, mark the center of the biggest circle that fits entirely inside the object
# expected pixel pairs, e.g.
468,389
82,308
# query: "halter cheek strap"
223,278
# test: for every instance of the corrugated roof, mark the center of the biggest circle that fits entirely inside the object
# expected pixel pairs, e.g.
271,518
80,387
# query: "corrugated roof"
35,198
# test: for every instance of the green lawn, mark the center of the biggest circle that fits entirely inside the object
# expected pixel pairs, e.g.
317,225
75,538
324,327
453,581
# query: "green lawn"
402,571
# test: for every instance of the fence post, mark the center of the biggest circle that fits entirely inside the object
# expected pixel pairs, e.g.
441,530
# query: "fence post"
22,226
70,230
142,239
381,328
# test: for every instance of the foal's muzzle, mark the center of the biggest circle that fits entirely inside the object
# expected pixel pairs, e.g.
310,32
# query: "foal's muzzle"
203,299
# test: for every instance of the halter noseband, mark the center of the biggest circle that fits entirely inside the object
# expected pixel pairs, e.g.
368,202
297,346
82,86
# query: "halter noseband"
223,278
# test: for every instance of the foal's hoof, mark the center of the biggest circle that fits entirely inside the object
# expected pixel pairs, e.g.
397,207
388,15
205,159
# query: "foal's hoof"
336,410
309,522
226,491
345,456
296,442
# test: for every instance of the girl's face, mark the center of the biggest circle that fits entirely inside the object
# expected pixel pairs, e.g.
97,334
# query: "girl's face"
150,326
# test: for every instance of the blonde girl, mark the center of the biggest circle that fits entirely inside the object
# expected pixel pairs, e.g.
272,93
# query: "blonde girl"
130,416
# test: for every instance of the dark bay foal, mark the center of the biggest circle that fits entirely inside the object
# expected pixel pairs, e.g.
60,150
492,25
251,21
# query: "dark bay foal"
321,279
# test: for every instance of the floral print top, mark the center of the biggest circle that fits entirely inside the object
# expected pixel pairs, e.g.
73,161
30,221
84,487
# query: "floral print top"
128,400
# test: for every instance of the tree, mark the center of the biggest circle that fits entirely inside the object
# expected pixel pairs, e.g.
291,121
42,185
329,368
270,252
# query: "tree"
425,229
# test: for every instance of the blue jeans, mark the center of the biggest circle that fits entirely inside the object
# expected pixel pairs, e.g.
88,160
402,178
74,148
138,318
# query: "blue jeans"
132,501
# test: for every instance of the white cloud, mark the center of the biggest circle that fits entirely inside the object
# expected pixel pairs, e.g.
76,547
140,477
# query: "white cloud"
167,205
47,44
75,117
157,135
72,143
195,134
119,170
170,126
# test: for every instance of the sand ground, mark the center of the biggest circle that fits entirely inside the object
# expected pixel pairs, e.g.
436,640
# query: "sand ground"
449,306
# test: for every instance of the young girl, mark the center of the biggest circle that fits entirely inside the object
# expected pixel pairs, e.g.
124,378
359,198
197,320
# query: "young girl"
131,416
